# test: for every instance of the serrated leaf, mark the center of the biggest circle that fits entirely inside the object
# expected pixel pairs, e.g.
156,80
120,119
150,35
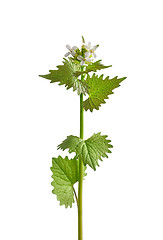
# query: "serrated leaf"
93,67
65,175
65,76
90,150
96,66
99,90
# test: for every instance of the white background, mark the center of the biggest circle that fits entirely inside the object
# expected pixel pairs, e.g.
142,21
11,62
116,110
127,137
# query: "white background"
123,198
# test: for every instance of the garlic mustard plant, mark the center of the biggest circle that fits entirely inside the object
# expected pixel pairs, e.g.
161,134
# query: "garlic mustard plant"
75,73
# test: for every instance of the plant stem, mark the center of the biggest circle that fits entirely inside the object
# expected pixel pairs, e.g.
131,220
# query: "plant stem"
80,185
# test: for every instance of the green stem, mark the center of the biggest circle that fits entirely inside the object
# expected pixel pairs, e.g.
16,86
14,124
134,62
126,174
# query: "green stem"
80,185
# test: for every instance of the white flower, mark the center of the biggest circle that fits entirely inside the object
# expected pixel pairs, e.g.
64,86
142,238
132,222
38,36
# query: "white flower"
71,50
91,49
84,59
88,46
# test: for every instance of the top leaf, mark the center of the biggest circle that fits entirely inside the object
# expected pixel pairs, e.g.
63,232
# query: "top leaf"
99,90
65,75
93,67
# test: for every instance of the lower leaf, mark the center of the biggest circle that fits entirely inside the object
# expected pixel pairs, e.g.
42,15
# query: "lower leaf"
65,175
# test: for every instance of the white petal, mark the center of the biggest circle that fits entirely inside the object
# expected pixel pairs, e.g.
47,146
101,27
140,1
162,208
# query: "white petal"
88,47
67,54
73,53
68,47
87,54
94,55
89,60
94,48
82,62
74,47
80,58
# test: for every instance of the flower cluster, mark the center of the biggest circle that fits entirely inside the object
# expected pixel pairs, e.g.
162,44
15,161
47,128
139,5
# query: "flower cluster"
85,55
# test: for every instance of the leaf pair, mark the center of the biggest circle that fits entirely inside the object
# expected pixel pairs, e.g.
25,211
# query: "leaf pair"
68,73
96,87
66,172
90,150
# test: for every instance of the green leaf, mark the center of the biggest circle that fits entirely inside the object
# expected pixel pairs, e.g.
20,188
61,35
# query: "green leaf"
99,90
90,150
93,67
96,66
65,175
65,76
